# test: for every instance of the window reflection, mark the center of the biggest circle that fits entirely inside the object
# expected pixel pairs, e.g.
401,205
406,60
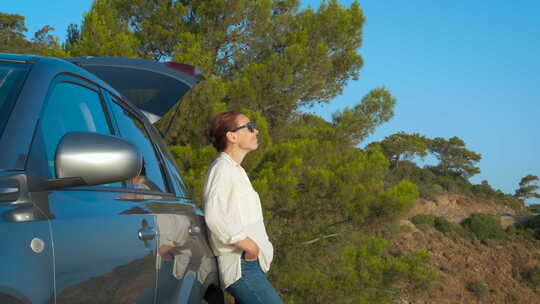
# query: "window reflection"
133,130
84,114
70,108
142,181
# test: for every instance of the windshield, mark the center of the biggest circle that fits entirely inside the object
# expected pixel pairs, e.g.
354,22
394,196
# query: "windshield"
11,79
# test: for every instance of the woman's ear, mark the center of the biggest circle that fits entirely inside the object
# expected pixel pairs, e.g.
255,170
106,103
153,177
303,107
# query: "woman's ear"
231,137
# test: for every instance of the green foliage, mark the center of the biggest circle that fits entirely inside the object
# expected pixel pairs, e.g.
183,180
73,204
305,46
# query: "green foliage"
531,276
443,225
354,125
450,175
431,182
73,36
194,163
324,182
533,225
452,230
424,179
267,56
485,227
12,29
527,187
528,180
348,127
451,183
192,122
395,201
454,157
403,146
104,33
305,126
424,221
479,288
46,44
485,191
534,208
353,269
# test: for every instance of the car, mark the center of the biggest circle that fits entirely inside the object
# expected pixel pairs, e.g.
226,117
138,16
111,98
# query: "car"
93,208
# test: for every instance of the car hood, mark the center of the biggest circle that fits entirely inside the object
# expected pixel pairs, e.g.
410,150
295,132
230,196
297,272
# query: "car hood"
154,87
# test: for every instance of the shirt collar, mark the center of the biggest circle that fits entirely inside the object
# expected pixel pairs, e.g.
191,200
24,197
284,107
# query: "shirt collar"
229,159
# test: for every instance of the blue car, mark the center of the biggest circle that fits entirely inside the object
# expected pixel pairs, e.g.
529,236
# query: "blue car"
93,208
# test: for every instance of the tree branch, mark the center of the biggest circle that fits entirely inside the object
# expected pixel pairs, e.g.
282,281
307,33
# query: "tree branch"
320,238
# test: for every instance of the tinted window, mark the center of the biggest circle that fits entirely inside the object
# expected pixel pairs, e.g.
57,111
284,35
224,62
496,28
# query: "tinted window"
133,130
152,86
11,79
170,162
70,108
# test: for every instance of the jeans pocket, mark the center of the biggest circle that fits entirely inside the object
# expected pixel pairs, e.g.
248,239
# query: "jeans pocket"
249,262
243,258
249,266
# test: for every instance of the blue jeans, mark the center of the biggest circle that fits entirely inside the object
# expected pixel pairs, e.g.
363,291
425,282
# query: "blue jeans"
253,287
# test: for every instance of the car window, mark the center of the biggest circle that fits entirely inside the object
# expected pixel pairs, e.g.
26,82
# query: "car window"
70,108
170,162
11,79
132,129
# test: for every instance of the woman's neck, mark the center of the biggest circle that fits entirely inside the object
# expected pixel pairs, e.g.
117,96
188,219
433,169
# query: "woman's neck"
236,154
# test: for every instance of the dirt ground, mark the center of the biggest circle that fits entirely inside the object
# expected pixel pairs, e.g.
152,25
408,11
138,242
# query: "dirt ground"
465,264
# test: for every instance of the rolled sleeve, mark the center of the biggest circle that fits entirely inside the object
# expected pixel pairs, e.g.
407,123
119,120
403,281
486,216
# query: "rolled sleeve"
221,211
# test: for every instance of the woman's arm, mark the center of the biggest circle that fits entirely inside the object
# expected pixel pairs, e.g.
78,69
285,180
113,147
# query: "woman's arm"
222,214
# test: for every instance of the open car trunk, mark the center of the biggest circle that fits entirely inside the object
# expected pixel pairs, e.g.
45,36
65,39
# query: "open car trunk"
154,87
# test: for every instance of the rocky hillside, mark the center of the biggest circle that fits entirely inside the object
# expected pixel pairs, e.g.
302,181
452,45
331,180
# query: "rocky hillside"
470,270
455,208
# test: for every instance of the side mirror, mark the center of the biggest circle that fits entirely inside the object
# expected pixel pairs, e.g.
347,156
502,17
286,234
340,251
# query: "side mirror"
85,159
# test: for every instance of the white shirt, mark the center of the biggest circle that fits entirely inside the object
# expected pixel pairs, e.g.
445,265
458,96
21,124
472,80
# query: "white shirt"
233,212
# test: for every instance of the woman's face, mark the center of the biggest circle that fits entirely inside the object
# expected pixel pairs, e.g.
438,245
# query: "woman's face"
245,139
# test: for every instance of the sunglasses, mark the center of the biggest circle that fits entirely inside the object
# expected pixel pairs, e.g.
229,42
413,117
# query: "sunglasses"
250,126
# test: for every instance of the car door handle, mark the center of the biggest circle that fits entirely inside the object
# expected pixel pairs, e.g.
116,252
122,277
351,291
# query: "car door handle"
194,229
147,234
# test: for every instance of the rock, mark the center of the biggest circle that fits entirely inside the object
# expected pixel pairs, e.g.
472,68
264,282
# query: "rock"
507,220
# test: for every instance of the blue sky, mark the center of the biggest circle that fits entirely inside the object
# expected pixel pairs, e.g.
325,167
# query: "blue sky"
457,68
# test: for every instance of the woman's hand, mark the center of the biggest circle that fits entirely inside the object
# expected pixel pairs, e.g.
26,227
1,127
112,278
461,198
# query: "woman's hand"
250,248
250,257
165,252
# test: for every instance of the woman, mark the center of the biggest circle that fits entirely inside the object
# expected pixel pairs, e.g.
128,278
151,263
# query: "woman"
233,213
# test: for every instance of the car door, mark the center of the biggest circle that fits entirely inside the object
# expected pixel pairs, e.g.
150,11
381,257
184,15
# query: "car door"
180,246
186,266
104,245
191,241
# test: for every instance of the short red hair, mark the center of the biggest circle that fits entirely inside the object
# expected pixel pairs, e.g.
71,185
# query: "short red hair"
221,124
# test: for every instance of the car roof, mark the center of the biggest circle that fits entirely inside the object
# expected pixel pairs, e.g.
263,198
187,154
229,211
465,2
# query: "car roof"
58,65
119,76
18,57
